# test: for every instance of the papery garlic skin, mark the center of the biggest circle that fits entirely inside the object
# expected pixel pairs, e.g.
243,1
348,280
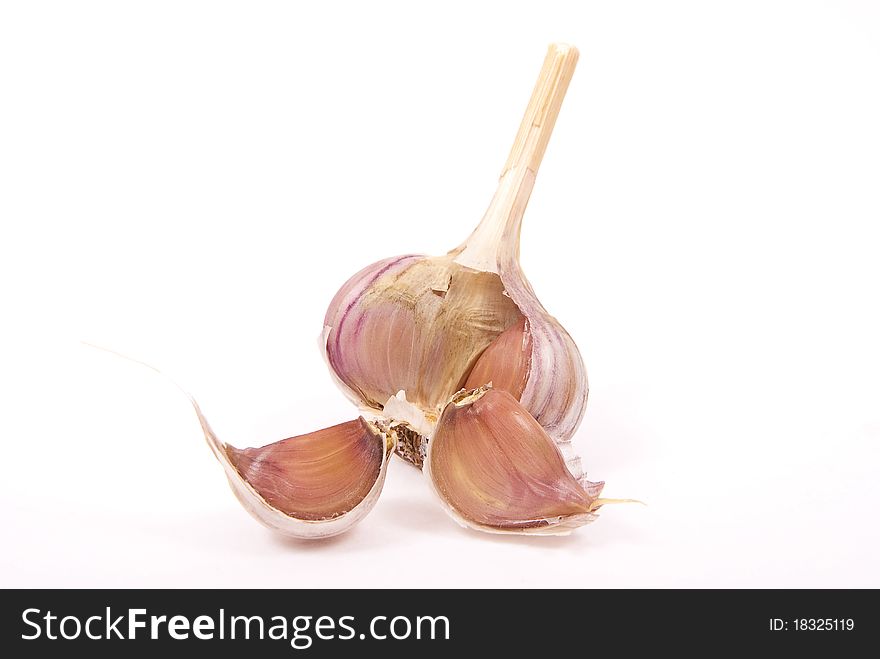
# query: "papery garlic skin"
496,470
344,303
557,388
414,324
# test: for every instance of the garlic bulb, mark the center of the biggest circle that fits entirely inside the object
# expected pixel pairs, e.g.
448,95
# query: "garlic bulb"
429,326
454,362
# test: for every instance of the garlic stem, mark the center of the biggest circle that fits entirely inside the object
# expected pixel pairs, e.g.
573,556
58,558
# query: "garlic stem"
496,238
540,116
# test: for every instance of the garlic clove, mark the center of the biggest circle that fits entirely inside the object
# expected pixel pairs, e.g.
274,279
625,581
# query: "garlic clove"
310,486
538,363
506,362
557,394
496,469
316,476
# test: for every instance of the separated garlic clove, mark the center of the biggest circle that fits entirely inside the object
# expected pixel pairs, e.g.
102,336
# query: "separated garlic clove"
429,326
322,475
496,469
310,486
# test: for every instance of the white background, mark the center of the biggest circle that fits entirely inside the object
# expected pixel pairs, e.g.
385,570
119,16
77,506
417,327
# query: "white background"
190,183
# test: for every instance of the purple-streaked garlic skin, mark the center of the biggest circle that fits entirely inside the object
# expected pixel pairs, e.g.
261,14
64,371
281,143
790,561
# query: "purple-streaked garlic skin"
343,360
496,469
557,388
